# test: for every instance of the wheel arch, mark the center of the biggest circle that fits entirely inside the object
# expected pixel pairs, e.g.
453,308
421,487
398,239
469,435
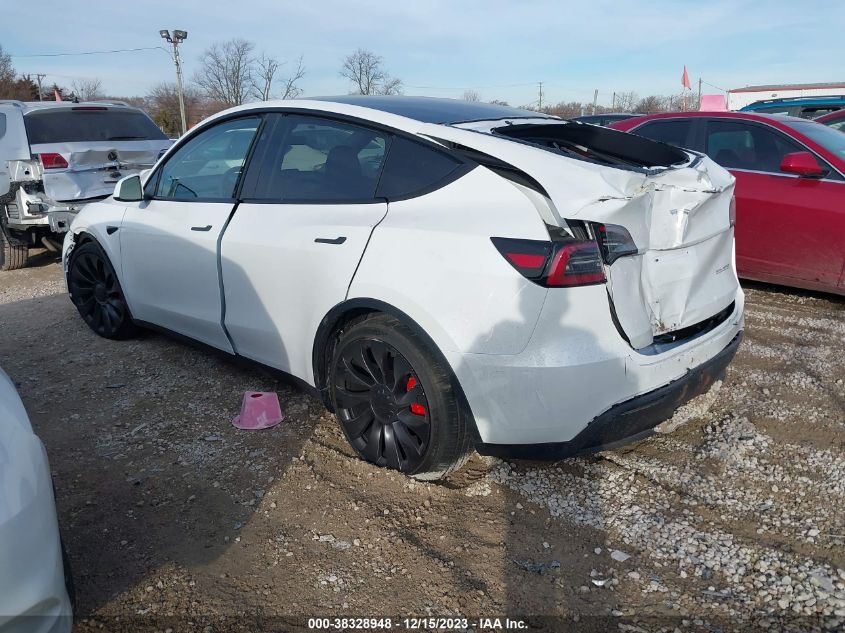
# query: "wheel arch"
332,326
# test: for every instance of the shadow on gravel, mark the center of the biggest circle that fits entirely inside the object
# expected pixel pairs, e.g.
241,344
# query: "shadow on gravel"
549,559
148,471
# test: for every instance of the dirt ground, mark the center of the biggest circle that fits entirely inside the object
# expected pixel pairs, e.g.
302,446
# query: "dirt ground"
174,519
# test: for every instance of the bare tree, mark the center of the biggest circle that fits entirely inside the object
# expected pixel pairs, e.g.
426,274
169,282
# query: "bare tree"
7,70
366,72
12,86
227,71
163,105
265,72
625,101
291,83
390,86
652,103
87,89
567,109
471,95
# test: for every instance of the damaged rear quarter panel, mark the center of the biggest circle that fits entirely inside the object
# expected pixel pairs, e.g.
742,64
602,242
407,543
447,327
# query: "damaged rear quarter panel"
677,216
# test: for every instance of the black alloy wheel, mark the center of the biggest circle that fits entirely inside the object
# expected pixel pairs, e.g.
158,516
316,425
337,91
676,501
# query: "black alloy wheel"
381,404
97,294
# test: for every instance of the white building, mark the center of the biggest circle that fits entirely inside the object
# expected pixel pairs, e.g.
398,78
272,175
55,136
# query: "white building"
741,97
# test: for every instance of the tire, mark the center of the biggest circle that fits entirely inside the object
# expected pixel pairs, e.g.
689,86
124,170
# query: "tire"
14,254
397,404
95,291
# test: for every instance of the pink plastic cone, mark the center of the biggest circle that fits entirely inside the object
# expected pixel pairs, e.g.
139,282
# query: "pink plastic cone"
260,410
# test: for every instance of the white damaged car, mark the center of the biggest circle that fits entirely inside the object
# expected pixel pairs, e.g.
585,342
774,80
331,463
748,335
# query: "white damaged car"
33,594
446,275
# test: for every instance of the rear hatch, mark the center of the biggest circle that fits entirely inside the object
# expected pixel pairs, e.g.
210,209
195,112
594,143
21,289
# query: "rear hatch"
675,205
84,150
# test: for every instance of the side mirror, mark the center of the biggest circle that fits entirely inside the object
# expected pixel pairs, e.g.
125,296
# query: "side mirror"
129,189
802,164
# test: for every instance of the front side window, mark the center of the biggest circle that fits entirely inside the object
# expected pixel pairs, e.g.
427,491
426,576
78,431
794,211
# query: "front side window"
209,165
319,159
825,135
739,145
674,132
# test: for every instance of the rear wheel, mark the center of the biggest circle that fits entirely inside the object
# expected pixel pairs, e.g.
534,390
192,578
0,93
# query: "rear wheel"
97,294
13,253
396,402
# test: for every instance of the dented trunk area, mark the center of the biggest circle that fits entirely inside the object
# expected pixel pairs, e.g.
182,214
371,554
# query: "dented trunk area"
93,169
678,214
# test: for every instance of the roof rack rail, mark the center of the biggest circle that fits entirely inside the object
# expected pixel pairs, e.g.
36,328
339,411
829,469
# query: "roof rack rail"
16,102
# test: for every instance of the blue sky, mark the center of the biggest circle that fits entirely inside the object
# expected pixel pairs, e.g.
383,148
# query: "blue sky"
442,48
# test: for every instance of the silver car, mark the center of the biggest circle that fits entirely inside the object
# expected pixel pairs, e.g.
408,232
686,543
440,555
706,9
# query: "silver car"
55,157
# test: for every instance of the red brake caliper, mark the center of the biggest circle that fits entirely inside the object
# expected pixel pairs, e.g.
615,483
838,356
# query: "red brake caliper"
416,409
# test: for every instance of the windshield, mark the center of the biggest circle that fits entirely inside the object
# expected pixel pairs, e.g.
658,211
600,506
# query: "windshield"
832,140
85,124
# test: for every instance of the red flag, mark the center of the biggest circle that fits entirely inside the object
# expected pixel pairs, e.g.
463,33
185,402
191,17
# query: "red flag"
57,95
685,79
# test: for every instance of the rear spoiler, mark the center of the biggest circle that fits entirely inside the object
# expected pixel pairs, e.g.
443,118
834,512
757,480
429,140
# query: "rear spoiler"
600,144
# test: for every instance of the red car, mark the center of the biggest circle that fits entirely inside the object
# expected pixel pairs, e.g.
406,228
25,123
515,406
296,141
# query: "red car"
836,120
790,189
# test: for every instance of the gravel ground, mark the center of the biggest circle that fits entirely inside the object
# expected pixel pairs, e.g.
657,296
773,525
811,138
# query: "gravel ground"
175,519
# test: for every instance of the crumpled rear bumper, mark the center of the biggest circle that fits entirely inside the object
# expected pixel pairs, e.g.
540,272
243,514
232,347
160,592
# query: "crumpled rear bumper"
627,421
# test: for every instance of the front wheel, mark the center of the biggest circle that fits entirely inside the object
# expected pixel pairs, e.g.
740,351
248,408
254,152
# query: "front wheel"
397,404
96,293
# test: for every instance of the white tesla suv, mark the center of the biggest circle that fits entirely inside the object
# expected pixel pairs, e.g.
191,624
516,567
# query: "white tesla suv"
446,275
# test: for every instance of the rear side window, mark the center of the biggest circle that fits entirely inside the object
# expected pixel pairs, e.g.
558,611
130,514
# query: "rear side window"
674,132
739,145
412,168
89,123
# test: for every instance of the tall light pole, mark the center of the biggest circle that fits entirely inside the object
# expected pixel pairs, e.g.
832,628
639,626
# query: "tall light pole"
177,38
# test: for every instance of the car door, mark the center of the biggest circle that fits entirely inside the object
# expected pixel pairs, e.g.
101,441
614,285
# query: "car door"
292,246
169,240
779,217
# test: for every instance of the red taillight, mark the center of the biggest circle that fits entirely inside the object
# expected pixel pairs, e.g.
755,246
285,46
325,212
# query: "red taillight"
554,264
614,242
53,161
576,264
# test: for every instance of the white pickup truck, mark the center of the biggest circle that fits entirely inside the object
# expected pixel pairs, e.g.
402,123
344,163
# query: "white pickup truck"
57,156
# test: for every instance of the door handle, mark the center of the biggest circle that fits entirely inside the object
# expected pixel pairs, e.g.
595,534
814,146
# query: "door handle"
207,227
326,240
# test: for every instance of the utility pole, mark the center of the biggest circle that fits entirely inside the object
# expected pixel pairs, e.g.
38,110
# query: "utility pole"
541,95
699,93
177,38
595,99
38,78
613,106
